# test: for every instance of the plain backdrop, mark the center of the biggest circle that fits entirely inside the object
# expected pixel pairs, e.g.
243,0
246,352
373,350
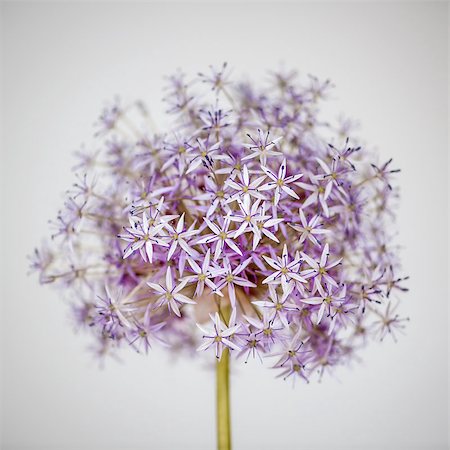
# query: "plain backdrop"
61,62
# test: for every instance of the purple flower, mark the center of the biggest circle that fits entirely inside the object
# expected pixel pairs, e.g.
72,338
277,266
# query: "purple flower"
204,274
262,147
309,229
252,205
221,237
389,322
279,182
217,79
206,154
244,189
329,299
284,270
248,219
268,329
280,304
141,335
318,193
383,173
230,278
144,235
178,237
319,269
216,197
219,336
171,295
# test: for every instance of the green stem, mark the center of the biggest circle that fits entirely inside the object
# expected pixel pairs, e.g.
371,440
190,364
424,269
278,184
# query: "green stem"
223,402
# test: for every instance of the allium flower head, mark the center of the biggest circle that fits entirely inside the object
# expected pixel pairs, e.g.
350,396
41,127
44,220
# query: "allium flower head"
249,217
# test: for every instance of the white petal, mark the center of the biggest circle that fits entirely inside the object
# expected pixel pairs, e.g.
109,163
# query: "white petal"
169,281
157,287
231,244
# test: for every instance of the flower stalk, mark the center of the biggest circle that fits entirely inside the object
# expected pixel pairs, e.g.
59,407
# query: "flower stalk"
223,401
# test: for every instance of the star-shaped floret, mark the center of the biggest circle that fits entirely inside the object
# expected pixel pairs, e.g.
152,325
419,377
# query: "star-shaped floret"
206,155
179,237
221,236
269,328
216,196
319,193
231,277
263,223
329,299
249,217
220,336
279,303
204,274
243,187
143,236
141,334
262,147
320,269
218,78
170,294
284,270
309,229
279,182
292,351
176,153
389,322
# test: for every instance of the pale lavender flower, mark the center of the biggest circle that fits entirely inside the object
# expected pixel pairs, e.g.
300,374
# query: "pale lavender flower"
268,329
141,335
178,237
233,166
262,147
252,346
177,152
143,236
279,182
244,189
287,231
383,173
389,322
204,275
217,79
109,117
328,300
345,153
309,229
219,336
319,269
293,351
392,282
318,193
214,120
295,367
342,315
279,303
111,314
221,237
206,154
248,219
216,197
335,172
171,295
263,223
284,270
230,278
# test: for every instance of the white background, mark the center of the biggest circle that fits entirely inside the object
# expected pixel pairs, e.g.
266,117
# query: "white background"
61,62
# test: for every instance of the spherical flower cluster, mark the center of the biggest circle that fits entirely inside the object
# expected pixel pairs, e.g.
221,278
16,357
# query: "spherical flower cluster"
252,226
